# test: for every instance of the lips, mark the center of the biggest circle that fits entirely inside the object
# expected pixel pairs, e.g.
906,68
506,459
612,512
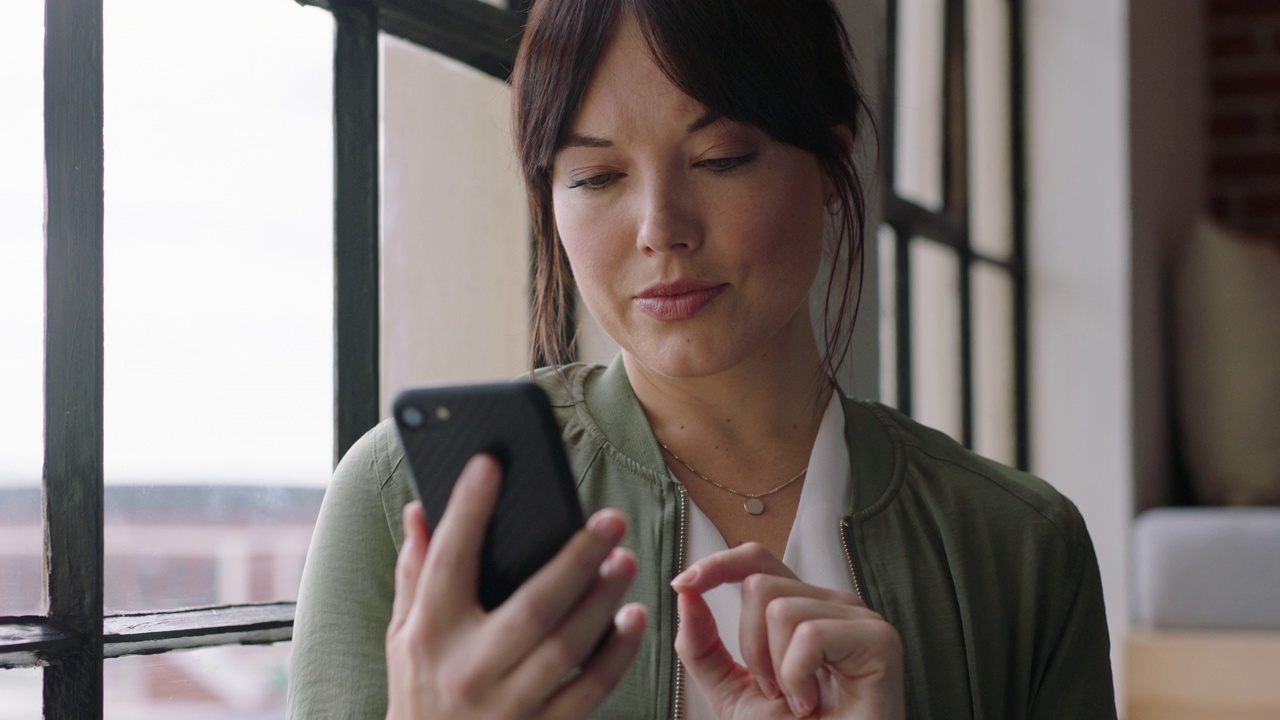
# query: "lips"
680,300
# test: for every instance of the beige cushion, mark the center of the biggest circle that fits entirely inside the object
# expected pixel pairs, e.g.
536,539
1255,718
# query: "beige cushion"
1227,331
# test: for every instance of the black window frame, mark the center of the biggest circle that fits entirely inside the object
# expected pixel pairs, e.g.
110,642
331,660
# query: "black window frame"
948,227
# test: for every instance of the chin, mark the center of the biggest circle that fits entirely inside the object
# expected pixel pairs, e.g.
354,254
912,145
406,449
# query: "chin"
684,357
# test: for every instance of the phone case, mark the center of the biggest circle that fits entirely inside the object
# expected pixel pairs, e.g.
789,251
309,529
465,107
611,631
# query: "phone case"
538,509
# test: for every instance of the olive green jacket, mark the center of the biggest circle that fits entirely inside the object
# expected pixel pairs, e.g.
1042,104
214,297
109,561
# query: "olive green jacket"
987,573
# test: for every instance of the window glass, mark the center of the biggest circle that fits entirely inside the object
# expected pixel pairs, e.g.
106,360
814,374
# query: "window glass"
918,145
21,306
935,337
888,276
990,177
455,227
218,297
232,681
994,434
21,693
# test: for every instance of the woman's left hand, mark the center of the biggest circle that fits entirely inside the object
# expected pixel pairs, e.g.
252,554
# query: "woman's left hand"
809,651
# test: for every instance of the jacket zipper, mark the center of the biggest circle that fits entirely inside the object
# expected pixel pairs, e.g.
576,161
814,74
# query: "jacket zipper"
846,542
682,550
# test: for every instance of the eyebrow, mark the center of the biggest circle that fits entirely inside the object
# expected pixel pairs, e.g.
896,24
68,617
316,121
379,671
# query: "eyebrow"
709,117
574,140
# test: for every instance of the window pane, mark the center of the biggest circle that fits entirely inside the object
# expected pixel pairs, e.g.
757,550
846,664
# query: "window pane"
219,296
234,681
21,693
455,229
994,433
990,177
935,337
918,143
888,277
21,306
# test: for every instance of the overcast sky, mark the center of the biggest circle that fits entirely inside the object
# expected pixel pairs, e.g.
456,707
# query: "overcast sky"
218,241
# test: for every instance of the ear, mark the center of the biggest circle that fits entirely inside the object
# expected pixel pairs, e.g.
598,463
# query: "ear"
845,133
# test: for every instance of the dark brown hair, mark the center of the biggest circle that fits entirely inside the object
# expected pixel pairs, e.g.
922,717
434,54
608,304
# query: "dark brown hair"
784,66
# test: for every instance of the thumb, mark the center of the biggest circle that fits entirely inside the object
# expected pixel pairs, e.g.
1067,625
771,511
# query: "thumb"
705,657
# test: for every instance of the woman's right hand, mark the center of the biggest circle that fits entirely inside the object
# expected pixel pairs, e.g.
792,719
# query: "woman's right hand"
448,658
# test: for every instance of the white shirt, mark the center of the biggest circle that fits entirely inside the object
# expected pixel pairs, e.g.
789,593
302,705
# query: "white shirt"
814,551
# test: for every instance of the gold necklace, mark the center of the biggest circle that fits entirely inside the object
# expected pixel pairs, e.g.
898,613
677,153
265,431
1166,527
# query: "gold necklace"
754,505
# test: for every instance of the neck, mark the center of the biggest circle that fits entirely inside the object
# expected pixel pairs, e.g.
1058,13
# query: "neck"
762,413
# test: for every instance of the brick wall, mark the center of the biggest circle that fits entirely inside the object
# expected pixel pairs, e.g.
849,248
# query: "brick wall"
1244,113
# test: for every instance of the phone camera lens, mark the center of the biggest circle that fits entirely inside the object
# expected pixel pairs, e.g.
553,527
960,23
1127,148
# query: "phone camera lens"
412,417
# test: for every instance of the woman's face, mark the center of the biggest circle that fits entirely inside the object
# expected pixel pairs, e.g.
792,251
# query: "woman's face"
694,240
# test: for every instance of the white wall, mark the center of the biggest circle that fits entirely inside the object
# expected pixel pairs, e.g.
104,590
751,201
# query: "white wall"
1079,248
455,228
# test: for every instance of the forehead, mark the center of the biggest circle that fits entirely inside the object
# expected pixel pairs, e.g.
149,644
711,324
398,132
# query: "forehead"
628,90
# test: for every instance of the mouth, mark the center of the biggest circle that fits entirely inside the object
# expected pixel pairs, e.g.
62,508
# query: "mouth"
680,300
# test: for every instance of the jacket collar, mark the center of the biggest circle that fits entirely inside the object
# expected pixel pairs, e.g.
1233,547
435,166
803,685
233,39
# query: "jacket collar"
873,458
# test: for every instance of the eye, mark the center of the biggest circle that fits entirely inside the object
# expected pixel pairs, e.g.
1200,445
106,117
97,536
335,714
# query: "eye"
727,164
595,182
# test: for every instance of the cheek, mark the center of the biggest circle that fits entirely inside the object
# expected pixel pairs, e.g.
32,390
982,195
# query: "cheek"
785,233
590,240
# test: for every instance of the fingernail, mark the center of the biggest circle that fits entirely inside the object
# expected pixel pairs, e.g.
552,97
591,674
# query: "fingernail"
629,618
799,707
608,527
768,687
686,578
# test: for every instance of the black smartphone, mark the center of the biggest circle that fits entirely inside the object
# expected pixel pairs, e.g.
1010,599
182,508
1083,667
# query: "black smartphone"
538,511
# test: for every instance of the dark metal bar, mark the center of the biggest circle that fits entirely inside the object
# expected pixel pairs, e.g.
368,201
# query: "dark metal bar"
27,641
924,223
355,266
73,351
474,32
956,168
1021,326
149,633
1009,266
902,306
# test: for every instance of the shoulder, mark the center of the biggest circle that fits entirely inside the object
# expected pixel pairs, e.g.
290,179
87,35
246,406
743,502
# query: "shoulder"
961,491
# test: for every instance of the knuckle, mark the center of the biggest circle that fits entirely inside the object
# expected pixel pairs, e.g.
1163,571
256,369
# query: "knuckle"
886,637
533,616
460,683
779,610
755,551
807,634
756,584
562,654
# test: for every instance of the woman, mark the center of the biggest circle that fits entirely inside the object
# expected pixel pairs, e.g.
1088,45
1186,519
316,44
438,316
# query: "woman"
821,557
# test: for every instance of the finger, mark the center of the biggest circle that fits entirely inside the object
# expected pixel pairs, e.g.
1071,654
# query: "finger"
705,658
866,653
539,606
571,644
729,566
579,697
782,616
408,563
452,566
757,636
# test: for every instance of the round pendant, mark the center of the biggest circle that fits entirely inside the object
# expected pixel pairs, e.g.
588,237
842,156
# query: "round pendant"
755,506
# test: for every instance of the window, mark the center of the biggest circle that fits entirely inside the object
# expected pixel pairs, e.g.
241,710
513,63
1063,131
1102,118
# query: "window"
952,249
205,284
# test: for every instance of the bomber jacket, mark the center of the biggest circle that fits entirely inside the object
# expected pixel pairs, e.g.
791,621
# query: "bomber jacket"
987,573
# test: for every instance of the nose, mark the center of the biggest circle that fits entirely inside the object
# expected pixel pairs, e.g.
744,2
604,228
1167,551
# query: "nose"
668,218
